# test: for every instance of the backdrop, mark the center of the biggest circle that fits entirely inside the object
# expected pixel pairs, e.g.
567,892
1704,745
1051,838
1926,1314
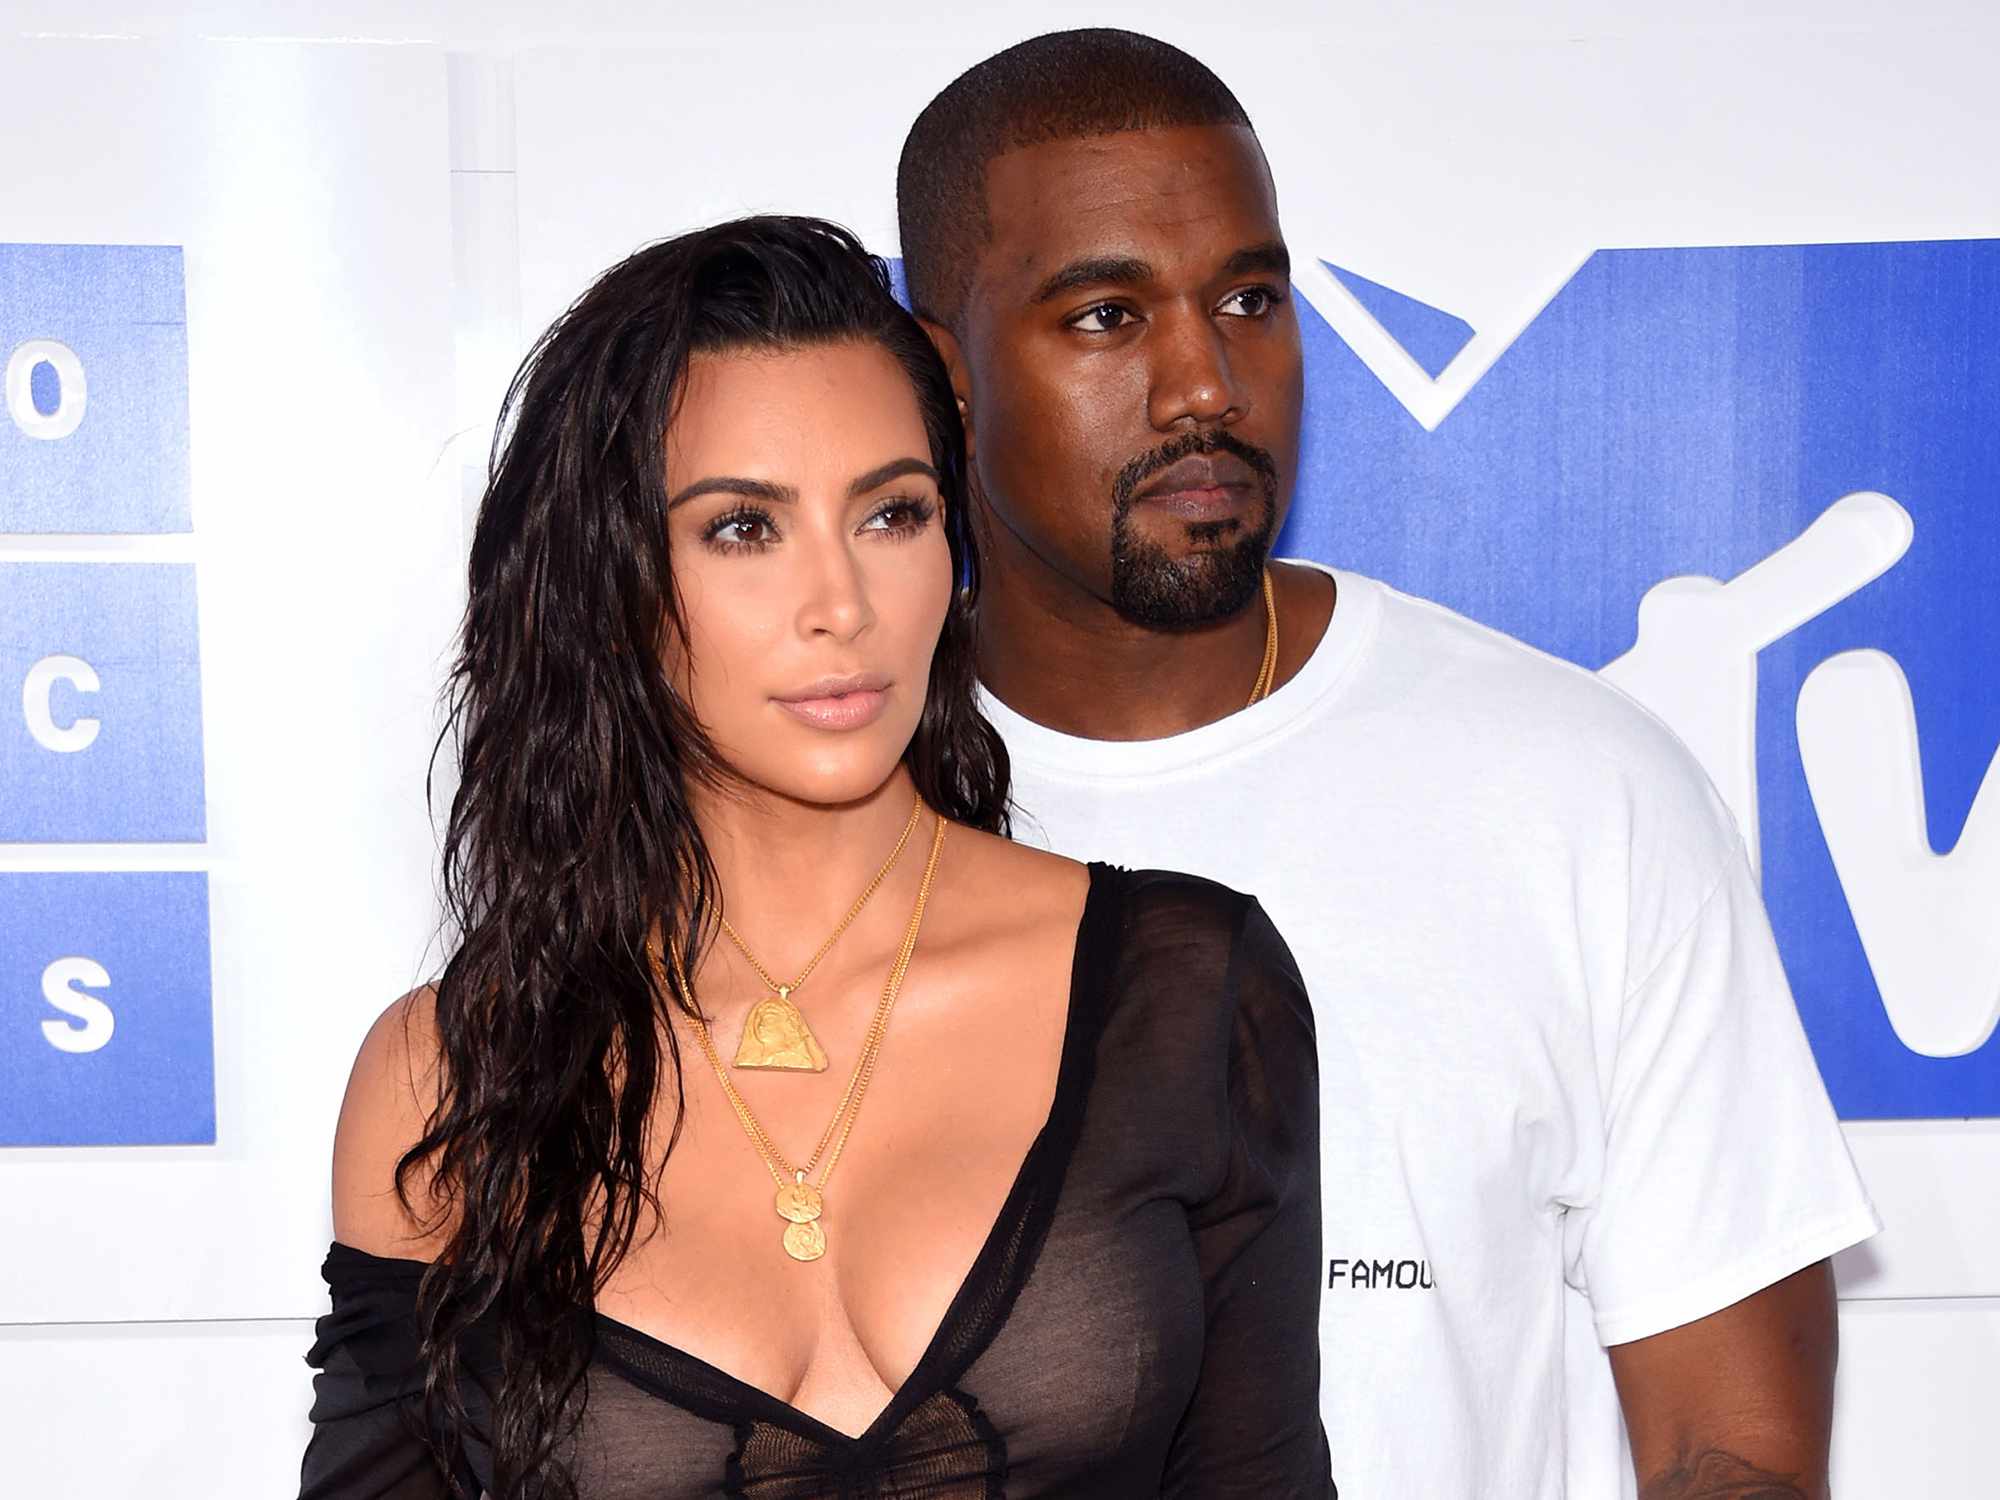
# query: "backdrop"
1666,344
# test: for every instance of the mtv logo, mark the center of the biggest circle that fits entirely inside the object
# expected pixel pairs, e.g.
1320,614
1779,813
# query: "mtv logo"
105,1029
1714,474
100,704
94,431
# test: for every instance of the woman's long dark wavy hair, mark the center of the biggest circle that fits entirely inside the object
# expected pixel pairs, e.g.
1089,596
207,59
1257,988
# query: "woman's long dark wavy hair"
571,840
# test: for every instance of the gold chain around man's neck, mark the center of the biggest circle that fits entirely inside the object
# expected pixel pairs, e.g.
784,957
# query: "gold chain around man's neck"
1268,673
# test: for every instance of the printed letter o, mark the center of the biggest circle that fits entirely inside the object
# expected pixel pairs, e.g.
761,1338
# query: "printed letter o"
68,415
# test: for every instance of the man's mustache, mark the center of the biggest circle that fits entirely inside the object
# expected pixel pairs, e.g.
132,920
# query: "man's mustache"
1192,445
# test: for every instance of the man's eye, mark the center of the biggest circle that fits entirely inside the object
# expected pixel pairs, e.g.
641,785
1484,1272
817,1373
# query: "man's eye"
1251,302
1106,317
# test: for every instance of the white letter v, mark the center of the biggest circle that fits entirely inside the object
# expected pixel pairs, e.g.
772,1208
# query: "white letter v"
1929,923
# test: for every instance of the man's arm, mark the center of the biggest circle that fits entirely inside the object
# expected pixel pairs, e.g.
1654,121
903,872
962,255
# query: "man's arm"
1737,1405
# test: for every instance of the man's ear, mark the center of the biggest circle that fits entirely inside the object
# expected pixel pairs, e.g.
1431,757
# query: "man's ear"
961,376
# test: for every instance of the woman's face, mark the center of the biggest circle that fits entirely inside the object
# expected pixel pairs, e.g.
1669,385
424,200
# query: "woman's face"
808,546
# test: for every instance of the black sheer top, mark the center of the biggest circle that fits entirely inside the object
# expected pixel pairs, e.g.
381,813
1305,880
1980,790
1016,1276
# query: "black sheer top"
1142,1321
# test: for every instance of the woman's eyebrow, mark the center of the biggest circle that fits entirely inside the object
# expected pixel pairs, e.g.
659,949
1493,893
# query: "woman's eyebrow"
896,468
725,484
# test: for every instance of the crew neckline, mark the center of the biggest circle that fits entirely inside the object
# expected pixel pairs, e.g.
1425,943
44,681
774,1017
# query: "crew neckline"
1067,757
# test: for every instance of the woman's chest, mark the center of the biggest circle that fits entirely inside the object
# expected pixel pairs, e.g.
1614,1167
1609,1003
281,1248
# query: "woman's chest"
901,1206
1099,1355
1065,1369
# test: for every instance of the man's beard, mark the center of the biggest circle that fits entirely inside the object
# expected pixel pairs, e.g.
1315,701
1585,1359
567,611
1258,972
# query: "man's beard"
1161,592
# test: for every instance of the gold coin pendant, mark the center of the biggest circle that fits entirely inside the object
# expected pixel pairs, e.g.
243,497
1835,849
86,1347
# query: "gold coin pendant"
805,1241
800,1202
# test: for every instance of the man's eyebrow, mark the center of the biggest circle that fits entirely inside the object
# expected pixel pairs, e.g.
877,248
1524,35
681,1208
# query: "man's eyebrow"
1270,256
896,468
1095,270
725,484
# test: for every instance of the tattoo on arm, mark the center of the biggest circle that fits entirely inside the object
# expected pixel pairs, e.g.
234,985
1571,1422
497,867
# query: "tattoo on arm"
1712,1474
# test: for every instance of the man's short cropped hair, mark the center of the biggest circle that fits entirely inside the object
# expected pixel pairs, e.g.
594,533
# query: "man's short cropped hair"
1059,87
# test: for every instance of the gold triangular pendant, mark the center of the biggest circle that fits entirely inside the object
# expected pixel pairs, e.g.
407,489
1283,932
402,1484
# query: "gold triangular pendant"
775,1035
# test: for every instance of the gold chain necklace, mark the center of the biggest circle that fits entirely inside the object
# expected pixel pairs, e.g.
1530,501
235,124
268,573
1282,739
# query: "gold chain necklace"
775,1034
799,1202
1267,674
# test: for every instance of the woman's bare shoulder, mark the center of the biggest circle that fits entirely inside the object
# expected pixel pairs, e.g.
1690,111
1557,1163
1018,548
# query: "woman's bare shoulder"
1019,886
390,1094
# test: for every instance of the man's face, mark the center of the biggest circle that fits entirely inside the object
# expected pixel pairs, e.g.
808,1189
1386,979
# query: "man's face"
1131,362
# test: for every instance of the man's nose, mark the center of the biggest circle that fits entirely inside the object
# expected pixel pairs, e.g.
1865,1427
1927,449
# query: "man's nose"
1192,382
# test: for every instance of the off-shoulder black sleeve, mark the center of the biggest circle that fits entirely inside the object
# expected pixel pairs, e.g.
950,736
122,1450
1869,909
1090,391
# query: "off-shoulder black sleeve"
1253,1427
367,1441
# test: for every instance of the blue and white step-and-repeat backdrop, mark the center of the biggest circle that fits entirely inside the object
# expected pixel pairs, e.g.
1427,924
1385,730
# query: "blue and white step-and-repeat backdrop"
1664,341
1781,465
106,747
229,550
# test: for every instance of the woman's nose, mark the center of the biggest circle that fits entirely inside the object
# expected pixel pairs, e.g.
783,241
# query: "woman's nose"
836,596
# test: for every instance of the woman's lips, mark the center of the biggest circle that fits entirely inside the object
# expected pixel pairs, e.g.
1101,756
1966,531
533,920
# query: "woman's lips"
838,704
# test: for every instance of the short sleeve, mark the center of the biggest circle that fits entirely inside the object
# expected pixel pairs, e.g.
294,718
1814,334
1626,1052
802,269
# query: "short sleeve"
1724,1168
367,1441
1253,1426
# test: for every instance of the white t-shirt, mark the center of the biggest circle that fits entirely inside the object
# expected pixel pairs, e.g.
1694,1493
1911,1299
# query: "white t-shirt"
1558,1053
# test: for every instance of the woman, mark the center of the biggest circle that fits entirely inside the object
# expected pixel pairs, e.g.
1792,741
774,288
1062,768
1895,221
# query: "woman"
778,1128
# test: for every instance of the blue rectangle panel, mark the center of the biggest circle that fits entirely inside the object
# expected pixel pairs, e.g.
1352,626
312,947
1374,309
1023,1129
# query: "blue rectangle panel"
106,1035
100,704
94,415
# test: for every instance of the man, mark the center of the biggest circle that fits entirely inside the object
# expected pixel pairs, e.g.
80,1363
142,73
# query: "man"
1556,1043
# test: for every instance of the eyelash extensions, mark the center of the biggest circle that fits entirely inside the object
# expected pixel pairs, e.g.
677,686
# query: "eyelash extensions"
919,511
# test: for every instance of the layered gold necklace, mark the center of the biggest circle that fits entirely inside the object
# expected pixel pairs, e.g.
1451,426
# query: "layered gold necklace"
775,1034
800,1201
1267,674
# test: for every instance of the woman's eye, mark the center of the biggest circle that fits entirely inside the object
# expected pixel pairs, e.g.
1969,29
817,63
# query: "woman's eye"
902,517
1251,302
1106,317
740,529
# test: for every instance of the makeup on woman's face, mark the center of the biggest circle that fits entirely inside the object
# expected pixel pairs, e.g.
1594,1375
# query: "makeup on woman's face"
806,529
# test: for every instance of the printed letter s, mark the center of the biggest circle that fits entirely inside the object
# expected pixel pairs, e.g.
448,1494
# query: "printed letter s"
59,987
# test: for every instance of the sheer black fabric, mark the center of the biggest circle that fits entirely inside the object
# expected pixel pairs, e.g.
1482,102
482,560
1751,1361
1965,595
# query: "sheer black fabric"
1142,1321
